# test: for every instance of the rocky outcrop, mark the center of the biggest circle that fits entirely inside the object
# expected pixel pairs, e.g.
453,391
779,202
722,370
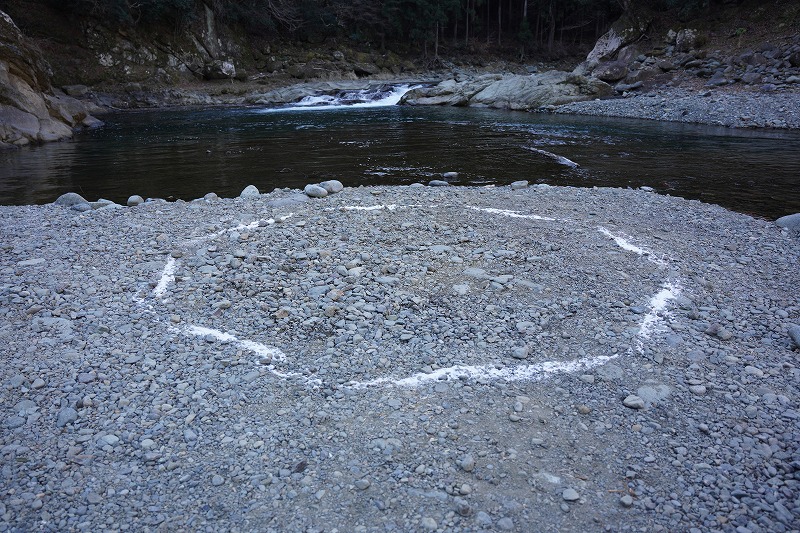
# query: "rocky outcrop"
620,57
30,111
515,92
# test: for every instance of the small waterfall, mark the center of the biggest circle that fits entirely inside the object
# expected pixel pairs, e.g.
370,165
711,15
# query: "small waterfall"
382,96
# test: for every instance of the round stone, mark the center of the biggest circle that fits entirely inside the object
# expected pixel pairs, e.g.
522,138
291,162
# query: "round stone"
135,200
570,495
315,191
250,193
332,186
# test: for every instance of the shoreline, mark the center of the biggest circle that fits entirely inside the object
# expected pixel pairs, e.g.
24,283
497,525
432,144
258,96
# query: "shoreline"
717,106
469,357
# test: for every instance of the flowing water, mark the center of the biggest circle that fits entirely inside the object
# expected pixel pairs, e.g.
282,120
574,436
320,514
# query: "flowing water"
364,139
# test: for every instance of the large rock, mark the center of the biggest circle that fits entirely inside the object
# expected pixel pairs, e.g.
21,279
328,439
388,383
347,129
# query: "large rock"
517,92
611,71
218,69
29,109
791,222
687,39
627,30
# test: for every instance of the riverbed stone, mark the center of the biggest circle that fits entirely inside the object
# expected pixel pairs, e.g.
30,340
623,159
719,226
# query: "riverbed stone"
794,334
250,192
332,186
791,222
135,200
315,191
70,199
438,183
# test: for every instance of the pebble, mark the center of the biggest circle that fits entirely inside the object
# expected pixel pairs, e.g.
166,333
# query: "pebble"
467,463
429,524
626,501
570,495
217,480
67,415
633,401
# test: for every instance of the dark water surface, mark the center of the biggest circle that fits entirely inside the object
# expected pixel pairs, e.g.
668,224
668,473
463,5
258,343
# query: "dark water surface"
187,153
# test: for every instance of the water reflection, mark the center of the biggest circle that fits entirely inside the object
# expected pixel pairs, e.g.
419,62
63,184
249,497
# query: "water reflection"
186,153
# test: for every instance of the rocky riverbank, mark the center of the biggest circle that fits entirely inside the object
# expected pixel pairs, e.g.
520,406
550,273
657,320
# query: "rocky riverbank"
411,358
735,109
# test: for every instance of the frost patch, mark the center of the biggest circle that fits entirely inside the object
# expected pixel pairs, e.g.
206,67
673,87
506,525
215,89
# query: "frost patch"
167,277
269,352
535,372
508,213
658,304
390,207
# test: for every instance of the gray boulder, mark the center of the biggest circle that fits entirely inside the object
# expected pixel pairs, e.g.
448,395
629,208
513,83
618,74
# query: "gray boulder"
794,334
69,199
612,71
332,186
791,222
315,191
687,39
250,193
135,200
219,70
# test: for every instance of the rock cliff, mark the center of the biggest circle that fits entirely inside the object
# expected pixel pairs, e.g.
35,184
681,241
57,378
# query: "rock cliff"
30,110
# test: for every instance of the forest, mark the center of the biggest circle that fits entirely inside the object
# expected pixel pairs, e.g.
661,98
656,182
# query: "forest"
424,24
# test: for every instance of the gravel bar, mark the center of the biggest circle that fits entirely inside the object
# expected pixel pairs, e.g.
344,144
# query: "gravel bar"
719,107
399,358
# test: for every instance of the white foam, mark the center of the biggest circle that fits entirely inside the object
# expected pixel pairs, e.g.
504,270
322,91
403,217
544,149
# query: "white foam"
167,277
533,372
508,213
328,103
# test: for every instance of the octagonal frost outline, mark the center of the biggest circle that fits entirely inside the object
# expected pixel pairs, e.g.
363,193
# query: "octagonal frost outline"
650,322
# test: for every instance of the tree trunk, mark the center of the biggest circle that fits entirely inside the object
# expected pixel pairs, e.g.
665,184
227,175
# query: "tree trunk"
436,42
466,28
499,20
552,36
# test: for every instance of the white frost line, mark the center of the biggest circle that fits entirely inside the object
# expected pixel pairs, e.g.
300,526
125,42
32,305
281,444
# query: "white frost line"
390,207
658,304
257,348
167,277
621,241
517,373
507,213
260,349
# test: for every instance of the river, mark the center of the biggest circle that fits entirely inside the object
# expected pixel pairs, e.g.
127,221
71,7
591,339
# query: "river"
185,153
